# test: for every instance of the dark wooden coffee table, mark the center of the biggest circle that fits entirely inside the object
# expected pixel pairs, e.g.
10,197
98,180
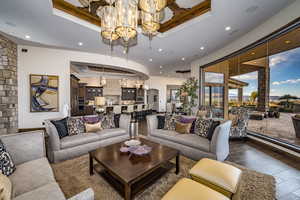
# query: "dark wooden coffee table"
130,174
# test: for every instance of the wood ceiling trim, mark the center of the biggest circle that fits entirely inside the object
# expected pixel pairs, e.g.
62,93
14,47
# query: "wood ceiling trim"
76,12
109,70
187,15
181,15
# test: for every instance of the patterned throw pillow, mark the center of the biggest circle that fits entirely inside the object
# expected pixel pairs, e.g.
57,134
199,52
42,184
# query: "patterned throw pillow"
7,167
202,127
108,121
75,126
170,121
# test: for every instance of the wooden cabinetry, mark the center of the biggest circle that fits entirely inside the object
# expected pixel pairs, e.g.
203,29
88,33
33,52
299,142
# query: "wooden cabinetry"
92,92
81,95
74,89
128,94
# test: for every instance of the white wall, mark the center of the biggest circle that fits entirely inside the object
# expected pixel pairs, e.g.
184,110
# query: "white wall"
160,83
55,62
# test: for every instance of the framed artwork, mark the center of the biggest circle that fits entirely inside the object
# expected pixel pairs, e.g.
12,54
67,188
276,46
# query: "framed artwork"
173,95
44,93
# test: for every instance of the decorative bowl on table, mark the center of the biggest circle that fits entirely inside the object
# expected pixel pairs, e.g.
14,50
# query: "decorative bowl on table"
130,143
140,150
124,149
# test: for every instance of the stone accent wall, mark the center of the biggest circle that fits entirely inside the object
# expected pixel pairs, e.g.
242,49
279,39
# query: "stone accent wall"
8,87
263,88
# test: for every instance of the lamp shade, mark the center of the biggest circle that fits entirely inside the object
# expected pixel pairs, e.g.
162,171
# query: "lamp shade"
100,101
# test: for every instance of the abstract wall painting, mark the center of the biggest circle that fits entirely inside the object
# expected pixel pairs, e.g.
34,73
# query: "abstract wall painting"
44,93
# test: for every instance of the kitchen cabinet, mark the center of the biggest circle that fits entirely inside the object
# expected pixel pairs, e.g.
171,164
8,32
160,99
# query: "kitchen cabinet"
128,94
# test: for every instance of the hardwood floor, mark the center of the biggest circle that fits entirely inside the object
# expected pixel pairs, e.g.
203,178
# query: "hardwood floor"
286,170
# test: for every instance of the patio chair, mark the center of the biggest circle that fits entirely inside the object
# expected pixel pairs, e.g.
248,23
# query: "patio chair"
239,127
296,122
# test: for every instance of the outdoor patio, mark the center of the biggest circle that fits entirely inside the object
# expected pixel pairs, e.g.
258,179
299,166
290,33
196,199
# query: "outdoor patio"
281,128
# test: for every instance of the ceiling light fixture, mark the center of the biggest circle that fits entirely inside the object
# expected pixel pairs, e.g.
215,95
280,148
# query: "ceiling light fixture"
253,53
161,67
27,36
119,18
202,48
80,43
160,72
228,28
183,59
160,50
150,60
287,41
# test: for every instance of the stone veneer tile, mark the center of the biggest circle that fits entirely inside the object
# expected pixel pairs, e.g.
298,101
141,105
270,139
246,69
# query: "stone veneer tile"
8,86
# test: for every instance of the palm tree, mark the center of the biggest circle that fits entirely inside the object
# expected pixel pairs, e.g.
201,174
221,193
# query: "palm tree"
253,96
287,97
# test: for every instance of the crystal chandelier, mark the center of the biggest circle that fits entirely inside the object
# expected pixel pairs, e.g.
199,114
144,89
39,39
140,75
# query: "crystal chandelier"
120,18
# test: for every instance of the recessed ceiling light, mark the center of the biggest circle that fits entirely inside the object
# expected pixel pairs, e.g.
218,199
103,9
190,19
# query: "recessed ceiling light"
124,51
150,60
287,41
160,49
253,53
228,28
202,48
27,36
80,43
183,59
161,67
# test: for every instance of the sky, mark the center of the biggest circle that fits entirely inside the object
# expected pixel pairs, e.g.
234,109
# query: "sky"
284,72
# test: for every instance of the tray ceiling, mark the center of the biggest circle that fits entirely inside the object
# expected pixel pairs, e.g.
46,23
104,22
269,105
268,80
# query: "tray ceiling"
179,11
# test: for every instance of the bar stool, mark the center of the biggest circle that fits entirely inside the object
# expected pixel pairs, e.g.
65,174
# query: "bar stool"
130,111
139,112
145,111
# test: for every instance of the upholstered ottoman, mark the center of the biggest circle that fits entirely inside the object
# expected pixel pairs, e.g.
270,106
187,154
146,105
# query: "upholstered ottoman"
187,189
219,176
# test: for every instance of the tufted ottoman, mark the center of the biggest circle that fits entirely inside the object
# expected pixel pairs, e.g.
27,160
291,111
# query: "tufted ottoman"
219,176
187,189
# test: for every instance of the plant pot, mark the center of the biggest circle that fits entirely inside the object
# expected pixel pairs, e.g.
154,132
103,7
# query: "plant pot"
277,114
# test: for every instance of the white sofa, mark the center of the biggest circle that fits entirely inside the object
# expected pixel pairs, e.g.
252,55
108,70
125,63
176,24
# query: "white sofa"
77,145
192,145
33,178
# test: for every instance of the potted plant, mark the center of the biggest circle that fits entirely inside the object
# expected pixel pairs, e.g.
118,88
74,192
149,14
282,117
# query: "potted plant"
188,95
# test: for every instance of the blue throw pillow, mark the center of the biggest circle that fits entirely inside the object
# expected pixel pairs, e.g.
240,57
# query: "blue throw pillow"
161,121
61,127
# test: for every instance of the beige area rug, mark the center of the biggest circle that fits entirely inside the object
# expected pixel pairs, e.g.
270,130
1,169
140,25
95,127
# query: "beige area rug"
73,177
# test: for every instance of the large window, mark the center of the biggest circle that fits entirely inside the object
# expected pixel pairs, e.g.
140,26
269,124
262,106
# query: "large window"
265,80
